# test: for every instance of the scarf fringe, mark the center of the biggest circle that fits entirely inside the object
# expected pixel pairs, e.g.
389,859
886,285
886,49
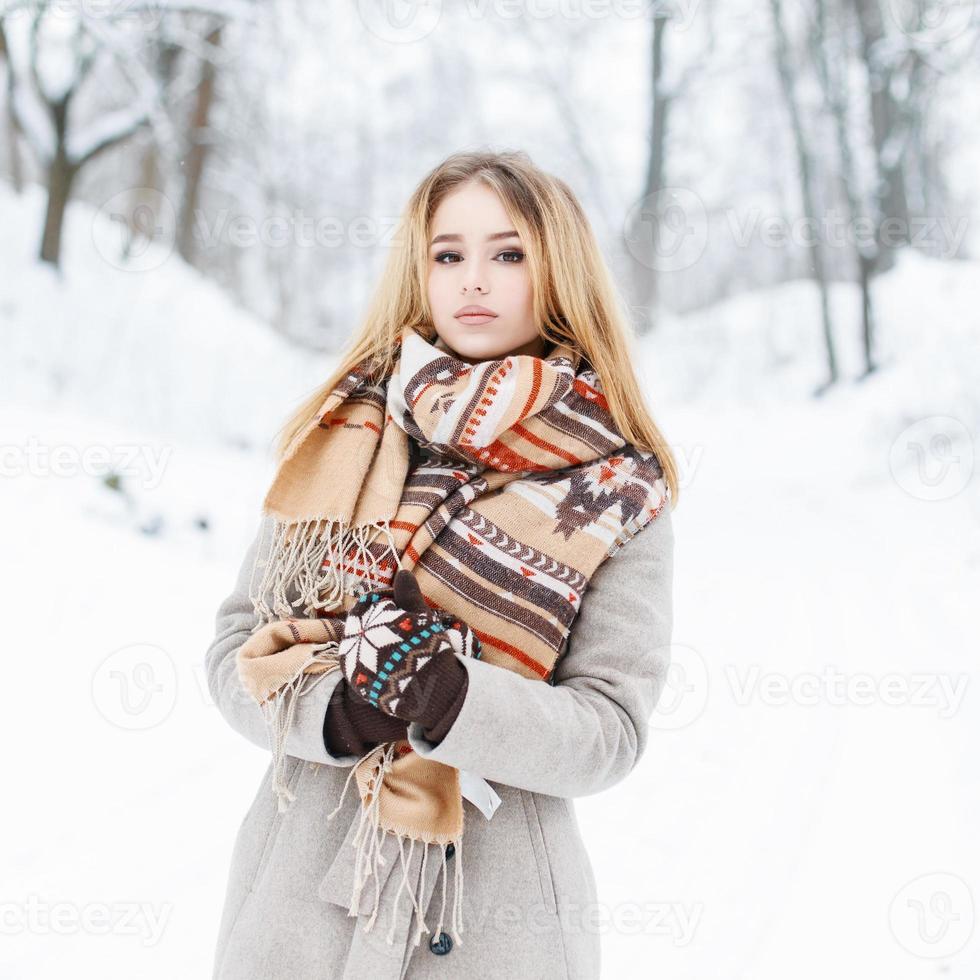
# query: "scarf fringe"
315,562
279,713
299,564
367,844
280,710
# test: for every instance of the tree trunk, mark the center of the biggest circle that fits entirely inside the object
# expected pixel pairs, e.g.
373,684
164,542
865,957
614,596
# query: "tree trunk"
196,155
891,197
13,129
832,69
61,175
645,276
866,270
805,162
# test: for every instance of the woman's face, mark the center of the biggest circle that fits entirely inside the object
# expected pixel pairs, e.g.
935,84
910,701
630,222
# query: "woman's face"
476,259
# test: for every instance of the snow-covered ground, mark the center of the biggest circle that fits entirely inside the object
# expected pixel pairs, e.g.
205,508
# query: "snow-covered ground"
806,804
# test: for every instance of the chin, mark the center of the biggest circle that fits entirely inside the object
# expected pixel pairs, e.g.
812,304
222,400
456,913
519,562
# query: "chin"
472,344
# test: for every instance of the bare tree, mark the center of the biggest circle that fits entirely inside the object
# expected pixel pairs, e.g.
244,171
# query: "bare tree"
665,88
16,172
49,106
889,127
42,110
199,143
152,169
807,169
831,56
903,64
661,98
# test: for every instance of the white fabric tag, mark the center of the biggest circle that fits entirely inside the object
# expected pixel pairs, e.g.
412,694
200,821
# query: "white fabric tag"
479,792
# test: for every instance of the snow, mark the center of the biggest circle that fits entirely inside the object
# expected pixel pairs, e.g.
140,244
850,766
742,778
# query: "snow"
107,129
35,123
144,331
777,824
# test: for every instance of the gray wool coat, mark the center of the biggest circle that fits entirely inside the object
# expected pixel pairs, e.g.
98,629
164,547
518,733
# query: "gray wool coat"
528,882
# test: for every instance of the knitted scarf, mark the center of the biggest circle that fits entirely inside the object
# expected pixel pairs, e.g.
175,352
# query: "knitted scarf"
502,485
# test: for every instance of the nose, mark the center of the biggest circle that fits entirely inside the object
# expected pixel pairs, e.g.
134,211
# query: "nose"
474,278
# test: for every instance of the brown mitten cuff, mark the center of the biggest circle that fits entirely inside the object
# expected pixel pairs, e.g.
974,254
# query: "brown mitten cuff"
438,731
351,727
436,696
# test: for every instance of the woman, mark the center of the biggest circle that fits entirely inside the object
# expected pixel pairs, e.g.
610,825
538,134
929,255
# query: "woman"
477,501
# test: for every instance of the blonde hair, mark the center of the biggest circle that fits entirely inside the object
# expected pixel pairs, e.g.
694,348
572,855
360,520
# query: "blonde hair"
574,299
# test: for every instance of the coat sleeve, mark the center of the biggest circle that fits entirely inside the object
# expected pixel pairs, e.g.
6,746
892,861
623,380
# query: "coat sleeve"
586,731
234,622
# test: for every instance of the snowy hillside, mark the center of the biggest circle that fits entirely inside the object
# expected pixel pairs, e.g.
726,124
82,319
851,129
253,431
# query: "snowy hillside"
146,338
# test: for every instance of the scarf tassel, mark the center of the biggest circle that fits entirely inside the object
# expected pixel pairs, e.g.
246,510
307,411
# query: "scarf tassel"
369,838
280,710
367,844
314,562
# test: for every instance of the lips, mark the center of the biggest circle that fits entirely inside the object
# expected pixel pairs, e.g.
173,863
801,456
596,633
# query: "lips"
474,313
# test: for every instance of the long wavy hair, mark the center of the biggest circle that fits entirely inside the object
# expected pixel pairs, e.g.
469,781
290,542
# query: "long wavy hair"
574,298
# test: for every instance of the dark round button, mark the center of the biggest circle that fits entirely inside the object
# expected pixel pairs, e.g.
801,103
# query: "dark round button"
450,851
441,944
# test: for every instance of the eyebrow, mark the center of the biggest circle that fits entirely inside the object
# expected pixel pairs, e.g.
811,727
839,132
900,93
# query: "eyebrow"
490,238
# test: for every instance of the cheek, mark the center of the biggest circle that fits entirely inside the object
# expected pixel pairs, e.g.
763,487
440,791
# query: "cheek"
518,290
528,293
439,290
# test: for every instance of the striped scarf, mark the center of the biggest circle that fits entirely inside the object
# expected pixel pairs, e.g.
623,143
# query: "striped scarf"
502,485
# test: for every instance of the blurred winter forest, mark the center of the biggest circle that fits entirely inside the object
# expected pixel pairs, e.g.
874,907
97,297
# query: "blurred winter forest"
717,147
196,199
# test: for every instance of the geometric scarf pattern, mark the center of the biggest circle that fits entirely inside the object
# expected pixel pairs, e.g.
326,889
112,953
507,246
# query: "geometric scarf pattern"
502,486
386,646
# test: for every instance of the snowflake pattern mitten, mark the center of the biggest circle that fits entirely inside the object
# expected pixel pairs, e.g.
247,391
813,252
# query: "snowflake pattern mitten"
394,649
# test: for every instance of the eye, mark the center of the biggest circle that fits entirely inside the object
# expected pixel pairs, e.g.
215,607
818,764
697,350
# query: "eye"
514,256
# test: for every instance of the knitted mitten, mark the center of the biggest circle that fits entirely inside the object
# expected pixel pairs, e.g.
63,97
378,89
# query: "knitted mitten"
351,727
400,655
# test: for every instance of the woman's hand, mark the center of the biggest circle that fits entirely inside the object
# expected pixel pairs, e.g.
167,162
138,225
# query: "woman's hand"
399,654
352,728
